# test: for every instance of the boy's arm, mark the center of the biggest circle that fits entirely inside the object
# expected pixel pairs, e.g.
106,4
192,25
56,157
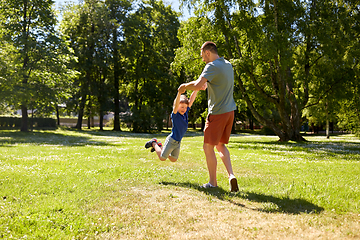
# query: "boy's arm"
194,93
192,98
176,103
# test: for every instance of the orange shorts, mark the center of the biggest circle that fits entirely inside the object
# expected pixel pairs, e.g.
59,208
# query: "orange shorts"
218,128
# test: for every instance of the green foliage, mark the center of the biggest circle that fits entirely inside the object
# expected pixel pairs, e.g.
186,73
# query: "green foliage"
288,55
34,74
123,55
92,30
150,40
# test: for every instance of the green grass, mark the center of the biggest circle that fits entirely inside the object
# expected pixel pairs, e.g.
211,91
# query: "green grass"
66,184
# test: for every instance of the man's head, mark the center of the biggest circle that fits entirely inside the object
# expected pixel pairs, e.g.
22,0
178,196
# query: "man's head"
209,52
184,103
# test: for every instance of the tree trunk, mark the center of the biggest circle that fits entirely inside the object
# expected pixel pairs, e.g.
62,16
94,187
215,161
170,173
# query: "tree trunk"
251,123
167,121
136,105
116,81
327,119
81,113
233,129
24,119
24,114
202,123
101,97
101,121
284,132
57,114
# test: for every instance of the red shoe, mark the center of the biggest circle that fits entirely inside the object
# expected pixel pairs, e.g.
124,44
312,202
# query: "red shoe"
159,144
149,143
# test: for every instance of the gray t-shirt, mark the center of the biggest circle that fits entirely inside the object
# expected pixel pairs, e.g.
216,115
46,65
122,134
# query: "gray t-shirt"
220,76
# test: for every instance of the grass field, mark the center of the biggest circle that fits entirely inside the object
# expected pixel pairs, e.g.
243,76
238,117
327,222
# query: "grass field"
66,184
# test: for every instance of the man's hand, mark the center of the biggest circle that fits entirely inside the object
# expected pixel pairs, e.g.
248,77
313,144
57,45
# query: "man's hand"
182,88
204,87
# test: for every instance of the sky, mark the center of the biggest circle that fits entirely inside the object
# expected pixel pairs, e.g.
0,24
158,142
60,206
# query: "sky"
175,5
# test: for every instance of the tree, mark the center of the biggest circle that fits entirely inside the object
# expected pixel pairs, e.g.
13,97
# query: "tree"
276,48
150,40
79,29
118,12
94,31
35,74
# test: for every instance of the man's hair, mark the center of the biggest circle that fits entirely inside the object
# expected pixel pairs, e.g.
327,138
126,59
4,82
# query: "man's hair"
183,99
210,46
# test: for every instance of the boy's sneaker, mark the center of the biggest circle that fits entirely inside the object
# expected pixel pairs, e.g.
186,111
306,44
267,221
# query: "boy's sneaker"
149,143
159,144
233,184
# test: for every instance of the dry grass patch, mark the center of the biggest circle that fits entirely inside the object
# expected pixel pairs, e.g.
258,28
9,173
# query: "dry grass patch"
169,212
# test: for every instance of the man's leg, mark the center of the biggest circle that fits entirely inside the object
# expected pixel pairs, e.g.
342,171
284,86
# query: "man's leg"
211,163
225,157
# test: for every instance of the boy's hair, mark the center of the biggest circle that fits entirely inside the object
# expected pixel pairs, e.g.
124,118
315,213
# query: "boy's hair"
184,99
210,46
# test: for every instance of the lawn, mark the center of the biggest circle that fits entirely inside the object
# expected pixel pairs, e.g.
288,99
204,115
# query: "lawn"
66,184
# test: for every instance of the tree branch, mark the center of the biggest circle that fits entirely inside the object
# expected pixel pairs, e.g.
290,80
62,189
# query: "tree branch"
323,95
262,92
260,118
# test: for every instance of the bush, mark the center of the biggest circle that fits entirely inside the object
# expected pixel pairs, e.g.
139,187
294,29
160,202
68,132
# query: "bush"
39,123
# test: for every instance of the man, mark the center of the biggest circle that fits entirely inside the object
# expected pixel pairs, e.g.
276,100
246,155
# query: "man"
218,74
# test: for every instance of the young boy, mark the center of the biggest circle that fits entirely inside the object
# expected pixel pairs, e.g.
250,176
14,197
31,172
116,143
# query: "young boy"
179,118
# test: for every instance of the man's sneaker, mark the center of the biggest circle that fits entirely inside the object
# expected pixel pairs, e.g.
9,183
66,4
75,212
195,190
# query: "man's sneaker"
233,184
207,186
149,143
159,144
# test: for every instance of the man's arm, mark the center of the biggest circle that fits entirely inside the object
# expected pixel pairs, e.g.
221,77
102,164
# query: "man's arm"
194,85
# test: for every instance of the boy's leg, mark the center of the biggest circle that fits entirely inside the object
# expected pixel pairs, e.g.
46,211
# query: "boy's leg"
158,150
159,144
174,156
172,159
150,143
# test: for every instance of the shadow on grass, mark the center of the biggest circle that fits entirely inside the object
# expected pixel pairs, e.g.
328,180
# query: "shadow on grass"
112,133
9,138
331,149
270,203
70,137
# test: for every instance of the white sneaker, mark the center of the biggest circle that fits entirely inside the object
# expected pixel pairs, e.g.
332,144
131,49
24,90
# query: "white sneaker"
207,185
233,184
